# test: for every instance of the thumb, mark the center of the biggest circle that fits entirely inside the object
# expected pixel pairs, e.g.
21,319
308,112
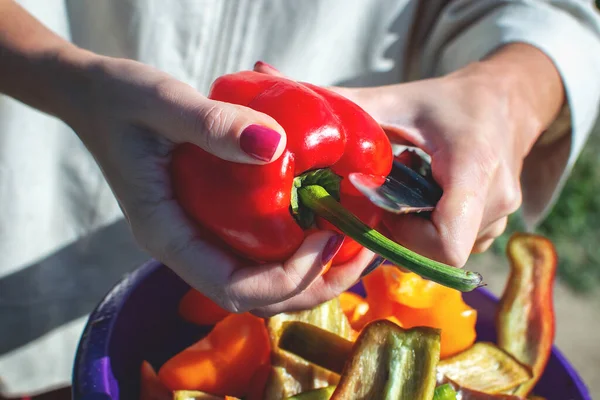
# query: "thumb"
228,131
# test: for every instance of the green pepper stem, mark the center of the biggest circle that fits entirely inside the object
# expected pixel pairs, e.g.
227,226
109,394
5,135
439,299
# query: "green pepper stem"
323,204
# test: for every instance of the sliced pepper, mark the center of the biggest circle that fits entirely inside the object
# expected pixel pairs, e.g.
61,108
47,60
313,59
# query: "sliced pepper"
388,362
470,394
405,288
316,345
151,388
355,309
199,309
485,368
444,392
525,319
196,395
385,362
258,382
291,374
222,363
445,310
331,351
315,394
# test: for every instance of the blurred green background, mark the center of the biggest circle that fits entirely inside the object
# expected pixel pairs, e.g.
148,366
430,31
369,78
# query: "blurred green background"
574,223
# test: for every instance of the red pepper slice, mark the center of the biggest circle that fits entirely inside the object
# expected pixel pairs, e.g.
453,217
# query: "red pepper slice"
199,309
151,388
525,320
328,137
224,362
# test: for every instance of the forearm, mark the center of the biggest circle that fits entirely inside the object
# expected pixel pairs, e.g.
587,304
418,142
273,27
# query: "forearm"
533,77
37,67
529,81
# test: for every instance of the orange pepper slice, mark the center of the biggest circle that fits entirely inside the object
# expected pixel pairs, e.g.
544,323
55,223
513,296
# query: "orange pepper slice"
415,301
199,309
355,308
222,363
453,317
525,319
405,288
151,388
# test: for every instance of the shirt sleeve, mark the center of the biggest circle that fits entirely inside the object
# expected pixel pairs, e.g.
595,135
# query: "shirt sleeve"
568,32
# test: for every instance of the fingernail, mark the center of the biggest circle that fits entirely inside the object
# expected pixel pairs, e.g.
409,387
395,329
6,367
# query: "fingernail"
260,142
331,248
264,64
375,262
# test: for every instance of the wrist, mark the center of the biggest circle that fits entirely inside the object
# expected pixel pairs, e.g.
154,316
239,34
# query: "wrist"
70,78
47,78
530,85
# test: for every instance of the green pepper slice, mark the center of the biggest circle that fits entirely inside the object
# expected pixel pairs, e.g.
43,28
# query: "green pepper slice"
525,320
315,394
291,374
485,367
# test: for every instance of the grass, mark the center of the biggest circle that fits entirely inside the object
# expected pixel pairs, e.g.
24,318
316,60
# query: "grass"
574,223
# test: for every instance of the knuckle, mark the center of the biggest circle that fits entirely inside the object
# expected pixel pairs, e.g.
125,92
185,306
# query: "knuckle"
231,302
511,200
510,197
484,163
208,122
292,278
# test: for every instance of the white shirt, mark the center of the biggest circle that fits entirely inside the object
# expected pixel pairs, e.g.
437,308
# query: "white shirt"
63,241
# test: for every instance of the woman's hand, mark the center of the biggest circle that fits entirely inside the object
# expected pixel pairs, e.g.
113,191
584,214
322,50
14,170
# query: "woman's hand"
477,124
131,117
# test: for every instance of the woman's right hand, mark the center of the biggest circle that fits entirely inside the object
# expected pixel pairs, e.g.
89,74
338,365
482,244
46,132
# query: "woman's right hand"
131,116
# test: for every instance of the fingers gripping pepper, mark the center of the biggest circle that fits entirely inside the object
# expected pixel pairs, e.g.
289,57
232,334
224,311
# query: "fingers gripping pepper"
261,211
249,205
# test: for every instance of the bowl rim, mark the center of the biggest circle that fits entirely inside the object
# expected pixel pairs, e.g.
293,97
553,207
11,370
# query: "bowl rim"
102,319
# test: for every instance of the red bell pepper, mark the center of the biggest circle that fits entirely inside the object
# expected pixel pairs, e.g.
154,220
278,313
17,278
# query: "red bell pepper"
525,319
261,211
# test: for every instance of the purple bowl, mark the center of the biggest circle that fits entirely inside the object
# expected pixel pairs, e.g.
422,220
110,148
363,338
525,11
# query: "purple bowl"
138,321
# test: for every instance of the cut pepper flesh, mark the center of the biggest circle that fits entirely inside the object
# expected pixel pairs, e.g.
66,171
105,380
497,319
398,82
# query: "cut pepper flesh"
485,368
415,301
525,318
389,362
223,362
291,374
386,361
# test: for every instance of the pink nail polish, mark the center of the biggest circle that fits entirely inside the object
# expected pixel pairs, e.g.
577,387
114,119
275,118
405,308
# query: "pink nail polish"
260,142
331,248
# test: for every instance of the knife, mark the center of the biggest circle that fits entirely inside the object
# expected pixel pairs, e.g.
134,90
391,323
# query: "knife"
409,188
